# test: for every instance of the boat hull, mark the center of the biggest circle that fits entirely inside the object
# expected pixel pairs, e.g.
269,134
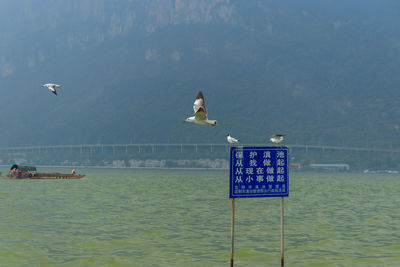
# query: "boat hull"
58,177
48,176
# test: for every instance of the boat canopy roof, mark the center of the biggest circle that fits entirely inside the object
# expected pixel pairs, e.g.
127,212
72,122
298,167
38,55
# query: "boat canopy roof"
23,168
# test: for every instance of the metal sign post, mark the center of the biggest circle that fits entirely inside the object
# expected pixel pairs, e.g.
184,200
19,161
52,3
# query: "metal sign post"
232,230
258,172
233,220
282,239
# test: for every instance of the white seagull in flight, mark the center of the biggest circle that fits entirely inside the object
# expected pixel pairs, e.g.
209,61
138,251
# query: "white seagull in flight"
277,138
200,112
52,87
231,140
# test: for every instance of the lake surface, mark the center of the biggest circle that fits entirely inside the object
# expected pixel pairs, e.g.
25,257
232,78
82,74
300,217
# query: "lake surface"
183,218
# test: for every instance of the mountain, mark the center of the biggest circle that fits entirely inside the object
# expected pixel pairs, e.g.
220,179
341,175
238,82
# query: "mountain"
323,72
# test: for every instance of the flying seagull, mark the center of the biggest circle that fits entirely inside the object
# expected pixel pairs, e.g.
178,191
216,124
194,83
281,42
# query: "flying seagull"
277,138
52,87
231,140
200,112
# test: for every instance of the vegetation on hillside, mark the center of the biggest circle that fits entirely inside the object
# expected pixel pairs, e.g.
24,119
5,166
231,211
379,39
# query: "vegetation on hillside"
321,72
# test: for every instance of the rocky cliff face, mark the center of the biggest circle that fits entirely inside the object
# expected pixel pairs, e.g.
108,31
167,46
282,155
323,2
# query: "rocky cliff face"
321,71
78,24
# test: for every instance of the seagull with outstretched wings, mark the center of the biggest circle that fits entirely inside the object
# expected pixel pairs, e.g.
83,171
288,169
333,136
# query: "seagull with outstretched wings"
200,112
52,87
277,138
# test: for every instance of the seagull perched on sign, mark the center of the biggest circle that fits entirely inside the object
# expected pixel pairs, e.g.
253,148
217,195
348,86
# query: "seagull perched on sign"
200,112
277,138
231,140
52,87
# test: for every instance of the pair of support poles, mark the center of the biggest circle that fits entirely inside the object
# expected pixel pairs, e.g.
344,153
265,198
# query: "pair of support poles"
233,233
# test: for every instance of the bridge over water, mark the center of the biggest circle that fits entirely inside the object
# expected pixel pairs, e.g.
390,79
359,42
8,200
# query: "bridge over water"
182,147
198,155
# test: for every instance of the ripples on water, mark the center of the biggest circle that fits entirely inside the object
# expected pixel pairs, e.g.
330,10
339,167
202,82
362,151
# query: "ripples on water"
182,218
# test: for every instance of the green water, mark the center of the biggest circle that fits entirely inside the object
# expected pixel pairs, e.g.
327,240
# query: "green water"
182,218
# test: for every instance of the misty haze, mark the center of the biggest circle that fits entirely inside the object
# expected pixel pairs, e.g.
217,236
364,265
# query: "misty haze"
145,100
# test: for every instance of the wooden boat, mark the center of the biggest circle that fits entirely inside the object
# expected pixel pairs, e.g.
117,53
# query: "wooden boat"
29,172
56,175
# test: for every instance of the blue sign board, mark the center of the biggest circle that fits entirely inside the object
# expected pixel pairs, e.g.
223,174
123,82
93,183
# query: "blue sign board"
258,172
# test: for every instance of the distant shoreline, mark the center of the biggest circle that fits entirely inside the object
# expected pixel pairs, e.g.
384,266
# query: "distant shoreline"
194,169
110,167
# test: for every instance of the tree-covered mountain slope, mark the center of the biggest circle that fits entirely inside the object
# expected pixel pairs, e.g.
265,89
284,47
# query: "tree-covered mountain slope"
323,72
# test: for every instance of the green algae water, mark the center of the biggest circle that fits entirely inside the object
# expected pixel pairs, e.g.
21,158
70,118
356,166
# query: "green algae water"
182,218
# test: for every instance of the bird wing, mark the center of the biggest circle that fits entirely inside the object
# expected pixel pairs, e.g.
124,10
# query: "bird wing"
50,86
200,114
199,103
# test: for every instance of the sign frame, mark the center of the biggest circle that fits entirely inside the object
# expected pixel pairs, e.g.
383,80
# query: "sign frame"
281,187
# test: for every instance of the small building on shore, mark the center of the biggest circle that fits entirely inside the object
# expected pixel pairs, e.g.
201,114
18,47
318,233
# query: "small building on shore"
330,167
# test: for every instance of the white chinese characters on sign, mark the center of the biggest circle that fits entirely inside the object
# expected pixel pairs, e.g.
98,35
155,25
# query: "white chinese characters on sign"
253,163
259,171
239,163
239,154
